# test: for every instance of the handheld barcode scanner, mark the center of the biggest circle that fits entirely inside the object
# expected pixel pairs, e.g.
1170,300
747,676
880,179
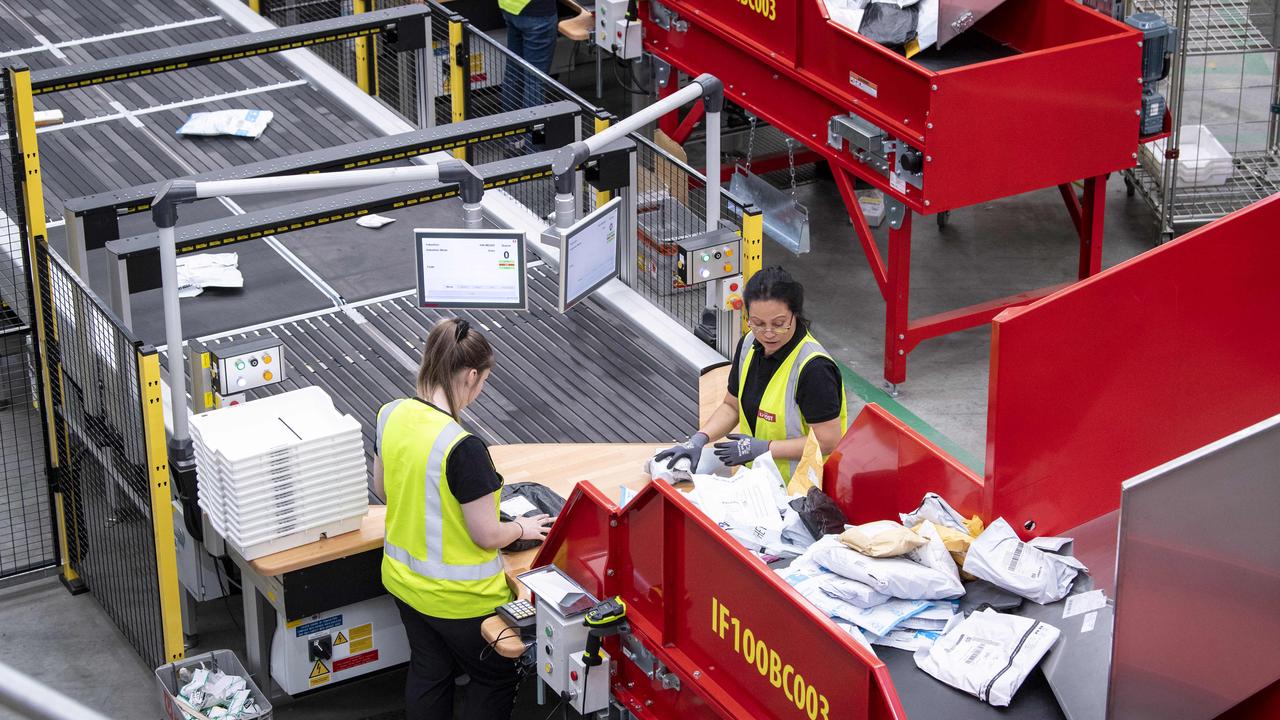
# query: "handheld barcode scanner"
608,617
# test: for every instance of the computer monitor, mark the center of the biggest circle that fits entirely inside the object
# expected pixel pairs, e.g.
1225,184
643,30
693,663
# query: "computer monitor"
589,253
471,269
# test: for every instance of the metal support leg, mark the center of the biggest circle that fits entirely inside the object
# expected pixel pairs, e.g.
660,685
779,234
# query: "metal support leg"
473,215
189,635
426,83
77,255
1092,219
599,72
630,240
259,626
118,285
896,309
713,171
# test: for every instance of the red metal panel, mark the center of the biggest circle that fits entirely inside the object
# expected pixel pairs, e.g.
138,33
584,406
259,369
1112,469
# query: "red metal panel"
1040,118
882,467
695,598
1131,368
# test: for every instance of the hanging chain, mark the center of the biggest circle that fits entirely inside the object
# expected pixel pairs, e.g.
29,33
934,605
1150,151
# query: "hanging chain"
791,163
751,140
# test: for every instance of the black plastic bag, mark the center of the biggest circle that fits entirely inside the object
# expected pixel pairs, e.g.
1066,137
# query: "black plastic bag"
889,24
819,513
544,499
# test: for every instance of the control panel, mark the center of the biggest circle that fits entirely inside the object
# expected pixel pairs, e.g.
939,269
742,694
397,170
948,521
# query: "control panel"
708,257
558,640
730,297
617,30
247,365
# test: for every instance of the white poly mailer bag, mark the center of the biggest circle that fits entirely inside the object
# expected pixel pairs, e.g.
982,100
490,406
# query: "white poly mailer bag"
238,123
1000,558
203,270
988,654
908,639
936,510
896,576
934,555
808,578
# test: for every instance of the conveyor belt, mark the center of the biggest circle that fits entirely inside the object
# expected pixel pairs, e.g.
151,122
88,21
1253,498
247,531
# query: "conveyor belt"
579,377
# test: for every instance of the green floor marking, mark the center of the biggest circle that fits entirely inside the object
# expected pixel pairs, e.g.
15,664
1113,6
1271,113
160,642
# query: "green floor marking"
872,393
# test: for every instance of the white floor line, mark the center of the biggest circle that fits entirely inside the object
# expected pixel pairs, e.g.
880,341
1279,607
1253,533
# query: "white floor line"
55,48
128,114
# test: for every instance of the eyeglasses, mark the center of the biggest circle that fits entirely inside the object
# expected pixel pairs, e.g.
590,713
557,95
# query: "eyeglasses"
775,327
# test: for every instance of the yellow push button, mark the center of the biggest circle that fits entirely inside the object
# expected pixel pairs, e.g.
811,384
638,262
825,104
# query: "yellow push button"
266,359
728,252
266,375
728,267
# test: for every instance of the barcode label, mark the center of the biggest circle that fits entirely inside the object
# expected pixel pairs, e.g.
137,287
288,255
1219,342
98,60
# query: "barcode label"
977,650
1014,557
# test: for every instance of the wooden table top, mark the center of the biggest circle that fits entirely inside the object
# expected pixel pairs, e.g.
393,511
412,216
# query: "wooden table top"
608,466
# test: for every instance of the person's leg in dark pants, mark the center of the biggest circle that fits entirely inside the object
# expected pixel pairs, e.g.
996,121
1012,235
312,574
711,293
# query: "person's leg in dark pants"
491,694
428,691
539,38
513,77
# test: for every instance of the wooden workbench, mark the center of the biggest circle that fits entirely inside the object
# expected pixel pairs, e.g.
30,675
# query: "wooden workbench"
557,466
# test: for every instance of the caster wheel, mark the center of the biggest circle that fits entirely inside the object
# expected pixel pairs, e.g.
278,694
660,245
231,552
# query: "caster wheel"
943,218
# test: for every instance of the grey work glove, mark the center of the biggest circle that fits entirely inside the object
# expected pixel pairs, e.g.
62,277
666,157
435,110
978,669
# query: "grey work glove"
740,449
690,450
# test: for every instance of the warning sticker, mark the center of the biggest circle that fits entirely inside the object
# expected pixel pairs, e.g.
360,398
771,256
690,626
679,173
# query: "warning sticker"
359,646
319,674
340,639
318,625
355,660
863,84
362,631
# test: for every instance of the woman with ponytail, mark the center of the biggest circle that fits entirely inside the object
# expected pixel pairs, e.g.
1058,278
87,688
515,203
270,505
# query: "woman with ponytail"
440,556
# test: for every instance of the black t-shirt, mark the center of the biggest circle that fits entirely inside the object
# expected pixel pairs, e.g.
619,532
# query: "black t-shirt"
469,468
818,393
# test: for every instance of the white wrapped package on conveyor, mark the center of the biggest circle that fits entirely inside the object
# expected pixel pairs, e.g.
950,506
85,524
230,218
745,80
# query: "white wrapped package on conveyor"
1000,558
897,577
988,654
237,123
875,620
841,588
197,272
936,510
934,555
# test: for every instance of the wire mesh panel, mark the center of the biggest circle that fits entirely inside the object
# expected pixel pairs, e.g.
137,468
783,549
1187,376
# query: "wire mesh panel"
27,535
103,473
1224,95
340,54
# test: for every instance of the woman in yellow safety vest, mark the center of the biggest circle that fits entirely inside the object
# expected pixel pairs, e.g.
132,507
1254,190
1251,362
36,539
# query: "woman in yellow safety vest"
782,385
440,555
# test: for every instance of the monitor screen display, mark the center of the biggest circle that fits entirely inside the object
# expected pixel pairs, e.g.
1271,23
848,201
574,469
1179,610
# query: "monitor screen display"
479,269
589,253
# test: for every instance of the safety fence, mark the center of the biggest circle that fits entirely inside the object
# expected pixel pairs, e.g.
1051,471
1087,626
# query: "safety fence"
671,194
100,412
27,538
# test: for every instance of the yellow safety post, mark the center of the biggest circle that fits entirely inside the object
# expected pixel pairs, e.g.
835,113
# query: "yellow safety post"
32,190
256,6
458,76
752,247
161,504
602,196
359,7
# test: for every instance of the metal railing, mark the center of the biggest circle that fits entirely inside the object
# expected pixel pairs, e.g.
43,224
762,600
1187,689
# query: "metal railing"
37,701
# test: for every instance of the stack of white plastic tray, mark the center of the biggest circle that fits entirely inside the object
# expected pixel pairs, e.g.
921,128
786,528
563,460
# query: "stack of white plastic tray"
280,472
1202,159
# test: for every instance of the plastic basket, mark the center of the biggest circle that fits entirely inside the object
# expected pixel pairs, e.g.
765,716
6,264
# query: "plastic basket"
224,660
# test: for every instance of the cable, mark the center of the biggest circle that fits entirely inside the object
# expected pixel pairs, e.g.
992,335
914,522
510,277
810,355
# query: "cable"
225,590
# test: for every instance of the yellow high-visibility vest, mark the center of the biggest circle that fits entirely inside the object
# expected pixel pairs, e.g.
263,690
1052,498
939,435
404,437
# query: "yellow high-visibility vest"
429,560
779,417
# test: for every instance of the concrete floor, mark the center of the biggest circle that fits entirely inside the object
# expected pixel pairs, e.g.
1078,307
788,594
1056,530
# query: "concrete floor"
987,251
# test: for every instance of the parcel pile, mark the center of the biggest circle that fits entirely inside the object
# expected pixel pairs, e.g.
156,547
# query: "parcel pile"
215,695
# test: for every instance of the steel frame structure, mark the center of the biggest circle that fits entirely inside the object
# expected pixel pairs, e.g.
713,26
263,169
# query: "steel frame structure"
811,71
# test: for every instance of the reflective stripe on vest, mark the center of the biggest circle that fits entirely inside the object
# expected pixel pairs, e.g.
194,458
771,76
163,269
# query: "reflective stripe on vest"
515,7
792,423
432,566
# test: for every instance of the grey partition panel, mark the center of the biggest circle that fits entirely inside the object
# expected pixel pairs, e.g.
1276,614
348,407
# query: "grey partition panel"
1198,581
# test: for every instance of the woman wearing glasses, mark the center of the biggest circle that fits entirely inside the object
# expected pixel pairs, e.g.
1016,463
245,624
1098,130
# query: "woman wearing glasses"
783,384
